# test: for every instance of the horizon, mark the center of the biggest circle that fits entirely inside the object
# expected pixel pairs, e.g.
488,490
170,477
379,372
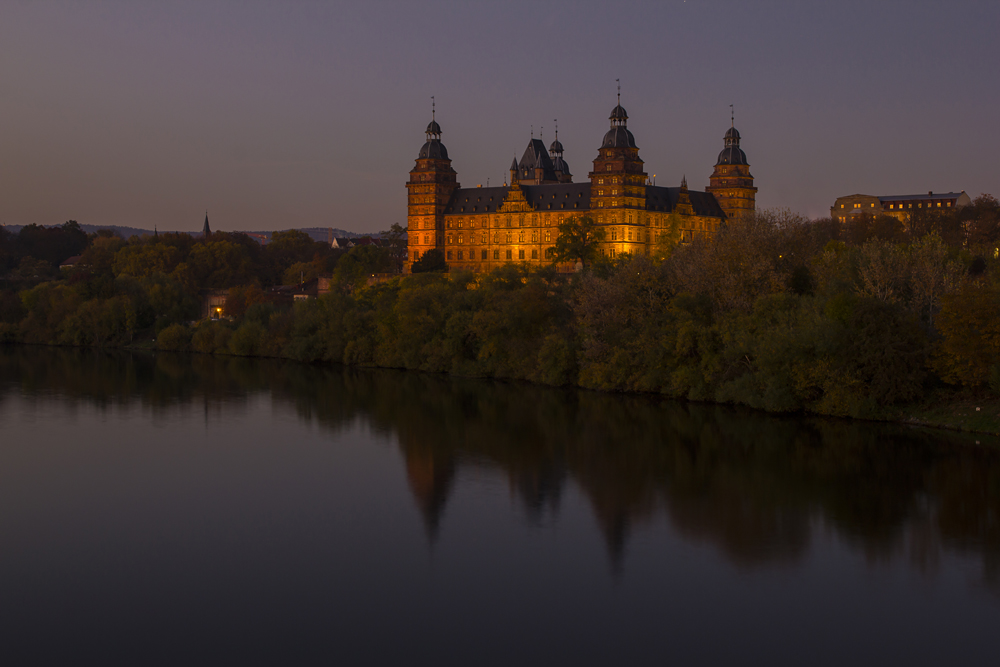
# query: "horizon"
144,115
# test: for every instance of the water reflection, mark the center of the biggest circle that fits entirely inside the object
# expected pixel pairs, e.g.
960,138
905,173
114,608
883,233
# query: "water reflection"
755,487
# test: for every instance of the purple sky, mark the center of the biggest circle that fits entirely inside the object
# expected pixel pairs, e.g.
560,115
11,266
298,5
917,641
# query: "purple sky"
282,114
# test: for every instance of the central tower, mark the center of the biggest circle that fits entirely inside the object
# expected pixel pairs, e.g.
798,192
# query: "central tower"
618,180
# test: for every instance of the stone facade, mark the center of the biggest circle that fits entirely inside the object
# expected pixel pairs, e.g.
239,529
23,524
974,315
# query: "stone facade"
898,206
479,228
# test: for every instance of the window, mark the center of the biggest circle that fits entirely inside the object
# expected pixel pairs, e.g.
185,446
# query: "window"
600,181
510,254
873,204
486,238
630,235
549,252
614,234
416,255
520,254
449,239
484,254
548,236
612,253
449,254
608,167
425,239
460,239
472,224
841,206
630,218
520,237
534,254
459,254
534,236
496,254
459,223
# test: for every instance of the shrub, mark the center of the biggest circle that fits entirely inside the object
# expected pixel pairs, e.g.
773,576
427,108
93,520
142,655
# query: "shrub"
174,337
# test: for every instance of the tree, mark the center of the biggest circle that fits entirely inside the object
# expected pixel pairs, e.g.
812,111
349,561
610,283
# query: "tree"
432,260
577,241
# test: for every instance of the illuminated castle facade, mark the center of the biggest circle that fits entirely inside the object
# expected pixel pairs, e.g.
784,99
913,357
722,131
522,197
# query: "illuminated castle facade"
481,228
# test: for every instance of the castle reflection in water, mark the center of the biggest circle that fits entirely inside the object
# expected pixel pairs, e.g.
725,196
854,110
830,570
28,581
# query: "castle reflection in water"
755,487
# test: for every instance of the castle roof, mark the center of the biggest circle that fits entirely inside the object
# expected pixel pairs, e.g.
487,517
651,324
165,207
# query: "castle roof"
568,197
535,156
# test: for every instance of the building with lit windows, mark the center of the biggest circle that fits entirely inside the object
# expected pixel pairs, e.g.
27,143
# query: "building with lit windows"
481,228
898,206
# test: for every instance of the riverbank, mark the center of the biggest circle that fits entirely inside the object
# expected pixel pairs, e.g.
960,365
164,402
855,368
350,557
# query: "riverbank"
949,409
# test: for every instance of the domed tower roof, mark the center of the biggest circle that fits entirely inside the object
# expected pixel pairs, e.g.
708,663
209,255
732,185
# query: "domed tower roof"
556,146
433,149
618,135
732,153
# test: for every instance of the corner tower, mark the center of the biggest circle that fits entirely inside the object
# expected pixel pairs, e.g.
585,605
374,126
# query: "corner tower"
432,182
731,181
618,180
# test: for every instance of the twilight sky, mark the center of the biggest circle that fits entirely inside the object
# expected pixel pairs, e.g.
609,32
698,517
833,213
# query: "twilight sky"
286,114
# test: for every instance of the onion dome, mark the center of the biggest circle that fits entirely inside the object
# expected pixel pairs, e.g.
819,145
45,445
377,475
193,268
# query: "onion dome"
619,114
434,128
732,153
556,147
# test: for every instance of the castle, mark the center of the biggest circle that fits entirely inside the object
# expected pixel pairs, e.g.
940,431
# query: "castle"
480,228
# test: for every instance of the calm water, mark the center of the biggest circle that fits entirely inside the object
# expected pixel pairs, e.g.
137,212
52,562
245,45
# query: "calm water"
189,510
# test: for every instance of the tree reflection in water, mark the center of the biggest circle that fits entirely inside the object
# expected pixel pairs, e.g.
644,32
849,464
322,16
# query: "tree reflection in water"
755,486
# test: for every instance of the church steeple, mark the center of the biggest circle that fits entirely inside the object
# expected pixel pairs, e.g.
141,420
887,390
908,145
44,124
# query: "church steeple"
206,231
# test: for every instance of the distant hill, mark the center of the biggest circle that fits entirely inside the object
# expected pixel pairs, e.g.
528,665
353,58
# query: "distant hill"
315,233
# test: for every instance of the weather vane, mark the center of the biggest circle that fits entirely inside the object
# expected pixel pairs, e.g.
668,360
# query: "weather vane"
619,82
432,107
732,116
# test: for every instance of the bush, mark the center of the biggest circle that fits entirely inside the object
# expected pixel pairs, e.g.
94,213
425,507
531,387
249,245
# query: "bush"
211,337
175,337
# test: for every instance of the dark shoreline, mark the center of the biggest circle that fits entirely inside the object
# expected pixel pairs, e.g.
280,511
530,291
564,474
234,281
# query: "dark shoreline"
945,401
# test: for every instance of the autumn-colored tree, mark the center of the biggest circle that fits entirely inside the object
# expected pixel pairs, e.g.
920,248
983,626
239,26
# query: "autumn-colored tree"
970,334
241,298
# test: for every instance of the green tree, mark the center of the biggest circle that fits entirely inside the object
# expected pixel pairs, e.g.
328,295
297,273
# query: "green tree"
577,241
432,260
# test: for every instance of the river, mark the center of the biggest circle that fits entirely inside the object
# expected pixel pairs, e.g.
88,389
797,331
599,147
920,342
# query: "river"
168,509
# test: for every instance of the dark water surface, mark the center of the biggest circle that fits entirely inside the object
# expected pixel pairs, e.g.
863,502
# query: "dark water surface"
172,510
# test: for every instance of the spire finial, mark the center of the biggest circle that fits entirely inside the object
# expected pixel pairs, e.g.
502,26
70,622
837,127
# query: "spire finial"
732,116
556,121
541,133
532,131
619,82
432,107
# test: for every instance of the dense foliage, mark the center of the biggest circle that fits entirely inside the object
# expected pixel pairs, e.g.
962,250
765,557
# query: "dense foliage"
774,312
